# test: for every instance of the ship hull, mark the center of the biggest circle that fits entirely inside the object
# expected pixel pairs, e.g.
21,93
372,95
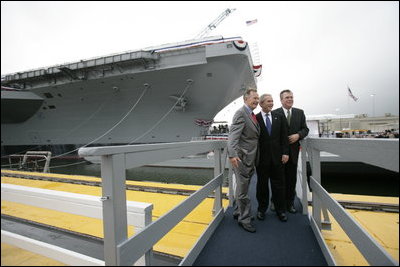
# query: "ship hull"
135,103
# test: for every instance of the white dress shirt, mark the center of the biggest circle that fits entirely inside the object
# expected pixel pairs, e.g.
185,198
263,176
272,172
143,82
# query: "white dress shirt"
264,115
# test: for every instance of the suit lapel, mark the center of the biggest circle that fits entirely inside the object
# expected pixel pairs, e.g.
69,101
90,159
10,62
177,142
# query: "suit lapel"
251,119
282,111
293,117
275,123
261,121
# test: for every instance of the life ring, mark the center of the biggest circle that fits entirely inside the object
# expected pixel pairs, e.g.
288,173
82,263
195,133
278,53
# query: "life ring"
240,45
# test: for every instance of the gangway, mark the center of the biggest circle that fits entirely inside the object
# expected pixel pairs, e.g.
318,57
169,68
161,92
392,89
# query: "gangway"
296,242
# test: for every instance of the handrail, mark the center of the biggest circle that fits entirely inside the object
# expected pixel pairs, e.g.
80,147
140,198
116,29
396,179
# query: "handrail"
114,162
73,203
133,248
65,256
360,150
139,215
383,153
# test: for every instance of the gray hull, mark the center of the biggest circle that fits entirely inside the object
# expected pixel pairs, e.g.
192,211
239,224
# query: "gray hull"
136,97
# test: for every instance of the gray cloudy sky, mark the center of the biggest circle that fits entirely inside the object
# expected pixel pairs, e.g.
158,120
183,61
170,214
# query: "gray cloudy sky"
315,49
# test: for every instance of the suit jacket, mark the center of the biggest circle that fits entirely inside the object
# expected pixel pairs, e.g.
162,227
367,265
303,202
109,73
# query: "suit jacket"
243,137
297,125
273,146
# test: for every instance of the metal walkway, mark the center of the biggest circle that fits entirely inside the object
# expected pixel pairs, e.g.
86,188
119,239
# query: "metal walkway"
275,243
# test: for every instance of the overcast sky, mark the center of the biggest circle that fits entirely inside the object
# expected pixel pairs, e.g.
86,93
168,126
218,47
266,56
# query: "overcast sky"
316,49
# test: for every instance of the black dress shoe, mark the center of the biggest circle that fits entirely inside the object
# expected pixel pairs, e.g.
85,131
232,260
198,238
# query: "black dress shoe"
282,216
261,216
248,227
291,209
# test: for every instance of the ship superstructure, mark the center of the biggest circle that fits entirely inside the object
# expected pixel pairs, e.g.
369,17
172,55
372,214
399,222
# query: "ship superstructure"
152,95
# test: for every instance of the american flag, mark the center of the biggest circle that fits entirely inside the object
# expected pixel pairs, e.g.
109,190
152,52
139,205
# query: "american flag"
351,94
251,22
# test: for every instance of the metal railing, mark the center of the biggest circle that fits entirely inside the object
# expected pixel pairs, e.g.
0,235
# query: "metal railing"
383,153
138,214
120,250
25,158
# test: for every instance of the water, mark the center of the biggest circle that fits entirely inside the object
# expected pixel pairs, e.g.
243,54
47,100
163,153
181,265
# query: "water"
170,175
345,178
359,179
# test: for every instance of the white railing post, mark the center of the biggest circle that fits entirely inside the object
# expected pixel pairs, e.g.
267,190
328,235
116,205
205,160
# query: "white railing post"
218,191
231,189
304,184
316,174
113,177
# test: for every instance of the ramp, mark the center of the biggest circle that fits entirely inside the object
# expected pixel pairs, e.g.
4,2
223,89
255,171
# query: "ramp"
275,243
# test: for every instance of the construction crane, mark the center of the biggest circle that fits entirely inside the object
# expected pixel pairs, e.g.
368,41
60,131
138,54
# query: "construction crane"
215,23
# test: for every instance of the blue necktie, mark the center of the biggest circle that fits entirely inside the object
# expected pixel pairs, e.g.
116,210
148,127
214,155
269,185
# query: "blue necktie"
269,126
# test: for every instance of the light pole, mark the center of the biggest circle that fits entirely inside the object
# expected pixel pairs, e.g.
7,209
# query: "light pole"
373,105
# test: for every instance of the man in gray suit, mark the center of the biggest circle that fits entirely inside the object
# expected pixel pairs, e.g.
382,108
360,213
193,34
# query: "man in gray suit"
243,154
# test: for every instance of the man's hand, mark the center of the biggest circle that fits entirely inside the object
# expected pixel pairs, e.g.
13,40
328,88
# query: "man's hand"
293,138
235,162
285,159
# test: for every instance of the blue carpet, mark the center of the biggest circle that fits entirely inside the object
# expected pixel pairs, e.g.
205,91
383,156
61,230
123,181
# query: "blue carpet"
275,243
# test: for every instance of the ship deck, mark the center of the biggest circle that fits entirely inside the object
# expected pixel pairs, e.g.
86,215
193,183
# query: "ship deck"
266,247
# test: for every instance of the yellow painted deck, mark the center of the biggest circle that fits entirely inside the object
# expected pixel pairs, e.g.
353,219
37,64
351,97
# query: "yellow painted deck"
177,242
383,226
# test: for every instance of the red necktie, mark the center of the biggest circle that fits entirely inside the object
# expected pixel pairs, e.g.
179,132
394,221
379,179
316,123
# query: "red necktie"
254,117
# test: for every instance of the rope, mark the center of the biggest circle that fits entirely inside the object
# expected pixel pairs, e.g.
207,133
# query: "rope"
67,165
108,131
69,133
190,82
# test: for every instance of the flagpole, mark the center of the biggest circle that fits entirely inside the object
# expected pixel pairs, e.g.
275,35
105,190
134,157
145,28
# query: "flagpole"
348,105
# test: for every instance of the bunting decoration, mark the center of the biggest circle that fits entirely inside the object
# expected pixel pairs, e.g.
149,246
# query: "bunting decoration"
257,70
203,123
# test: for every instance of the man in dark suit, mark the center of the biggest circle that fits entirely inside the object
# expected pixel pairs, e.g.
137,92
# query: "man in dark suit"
274,153
297,130
243,154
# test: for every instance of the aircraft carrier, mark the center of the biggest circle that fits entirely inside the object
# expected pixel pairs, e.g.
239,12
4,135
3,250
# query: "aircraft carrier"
168,93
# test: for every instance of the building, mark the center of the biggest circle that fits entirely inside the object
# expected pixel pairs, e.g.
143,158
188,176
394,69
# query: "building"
356,125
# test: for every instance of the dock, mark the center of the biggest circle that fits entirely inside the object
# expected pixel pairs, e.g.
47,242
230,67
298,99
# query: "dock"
218,240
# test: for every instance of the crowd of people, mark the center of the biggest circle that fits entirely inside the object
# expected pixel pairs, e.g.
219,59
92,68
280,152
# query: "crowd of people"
388,134
266,143
392,133
221,129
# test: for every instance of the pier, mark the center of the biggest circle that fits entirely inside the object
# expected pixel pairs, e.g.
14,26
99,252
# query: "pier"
296,242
